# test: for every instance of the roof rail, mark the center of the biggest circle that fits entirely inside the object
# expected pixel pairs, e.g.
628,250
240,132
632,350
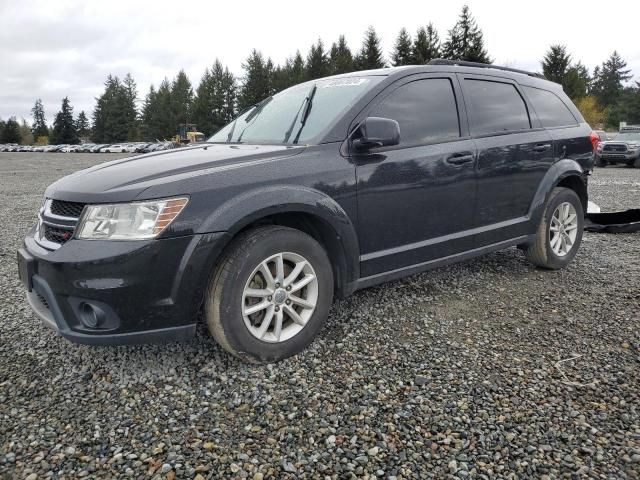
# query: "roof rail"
462,63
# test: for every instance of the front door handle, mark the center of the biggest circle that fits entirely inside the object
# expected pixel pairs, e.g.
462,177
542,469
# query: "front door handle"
459,159
541,147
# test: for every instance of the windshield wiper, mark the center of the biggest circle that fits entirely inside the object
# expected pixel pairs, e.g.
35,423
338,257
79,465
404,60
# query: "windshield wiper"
305,108
306,112
258,107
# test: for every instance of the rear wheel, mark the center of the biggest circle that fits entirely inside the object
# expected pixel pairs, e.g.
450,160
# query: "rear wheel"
270,295
560,231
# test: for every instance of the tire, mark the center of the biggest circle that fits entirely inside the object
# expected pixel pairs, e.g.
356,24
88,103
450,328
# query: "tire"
637,163
601,163
542,252
227,304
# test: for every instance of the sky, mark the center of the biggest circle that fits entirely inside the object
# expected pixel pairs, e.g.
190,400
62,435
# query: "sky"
52,49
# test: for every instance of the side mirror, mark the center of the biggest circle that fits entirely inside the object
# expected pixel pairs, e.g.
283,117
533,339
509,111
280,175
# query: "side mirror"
376,132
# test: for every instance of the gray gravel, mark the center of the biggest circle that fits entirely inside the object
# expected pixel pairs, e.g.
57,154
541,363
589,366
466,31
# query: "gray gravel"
487,369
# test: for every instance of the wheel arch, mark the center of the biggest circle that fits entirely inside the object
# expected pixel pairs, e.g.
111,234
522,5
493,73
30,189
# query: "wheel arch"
304,209
564,173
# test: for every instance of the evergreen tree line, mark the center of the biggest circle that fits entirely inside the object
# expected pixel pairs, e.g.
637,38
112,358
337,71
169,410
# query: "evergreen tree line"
602,95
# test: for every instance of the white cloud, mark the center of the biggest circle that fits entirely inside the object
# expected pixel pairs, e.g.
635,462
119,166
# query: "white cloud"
68,47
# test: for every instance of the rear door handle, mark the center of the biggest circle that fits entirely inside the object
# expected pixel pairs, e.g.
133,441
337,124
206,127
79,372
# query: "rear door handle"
459,159
541,147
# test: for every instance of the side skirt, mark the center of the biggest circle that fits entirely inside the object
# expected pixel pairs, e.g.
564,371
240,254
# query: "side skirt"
440,262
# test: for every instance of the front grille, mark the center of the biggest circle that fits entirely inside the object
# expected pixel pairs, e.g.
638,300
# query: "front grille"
66,209
56,235
614,148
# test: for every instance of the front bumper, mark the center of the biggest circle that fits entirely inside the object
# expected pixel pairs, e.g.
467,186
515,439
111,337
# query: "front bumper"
622,157
120,292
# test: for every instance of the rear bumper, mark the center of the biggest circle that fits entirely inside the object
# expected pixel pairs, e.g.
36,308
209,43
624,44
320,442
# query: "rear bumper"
115,293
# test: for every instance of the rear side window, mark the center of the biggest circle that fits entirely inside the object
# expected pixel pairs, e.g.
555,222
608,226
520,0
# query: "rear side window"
425,110
551,111
495,107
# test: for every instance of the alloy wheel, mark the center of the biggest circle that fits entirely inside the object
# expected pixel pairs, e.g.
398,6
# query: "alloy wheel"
279,297
563,229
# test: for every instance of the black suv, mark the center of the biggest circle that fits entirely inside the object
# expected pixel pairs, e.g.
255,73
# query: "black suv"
328,187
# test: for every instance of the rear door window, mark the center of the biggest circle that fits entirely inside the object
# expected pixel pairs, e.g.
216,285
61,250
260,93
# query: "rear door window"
551,110
495,107
425,110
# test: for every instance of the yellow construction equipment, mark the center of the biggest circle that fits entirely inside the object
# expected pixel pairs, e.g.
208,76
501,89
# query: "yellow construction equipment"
188,133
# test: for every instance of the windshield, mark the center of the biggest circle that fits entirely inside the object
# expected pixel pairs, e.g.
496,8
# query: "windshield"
628,137
307,109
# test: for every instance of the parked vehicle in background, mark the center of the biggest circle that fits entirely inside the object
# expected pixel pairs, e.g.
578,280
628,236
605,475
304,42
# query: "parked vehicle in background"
130,147
70,148
602,135
141,148
624,149
116,148
325,188
98,147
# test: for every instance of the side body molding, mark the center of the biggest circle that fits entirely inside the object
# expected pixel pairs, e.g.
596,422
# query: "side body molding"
238,212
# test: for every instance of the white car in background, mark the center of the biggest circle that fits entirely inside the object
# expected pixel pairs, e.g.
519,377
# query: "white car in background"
131,147
117,148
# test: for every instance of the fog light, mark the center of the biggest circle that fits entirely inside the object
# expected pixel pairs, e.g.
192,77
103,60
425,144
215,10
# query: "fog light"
91,316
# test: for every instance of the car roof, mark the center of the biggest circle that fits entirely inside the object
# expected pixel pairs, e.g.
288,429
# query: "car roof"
521,76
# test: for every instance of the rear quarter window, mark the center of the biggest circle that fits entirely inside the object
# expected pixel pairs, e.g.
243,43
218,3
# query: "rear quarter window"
495,107
551,110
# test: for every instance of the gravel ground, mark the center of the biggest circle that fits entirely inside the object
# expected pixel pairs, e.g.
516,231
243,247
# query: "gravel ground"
487,369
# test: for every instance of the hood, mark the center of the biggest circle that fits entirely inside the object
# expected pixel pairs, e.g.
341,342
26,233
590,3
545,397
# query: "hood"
126,178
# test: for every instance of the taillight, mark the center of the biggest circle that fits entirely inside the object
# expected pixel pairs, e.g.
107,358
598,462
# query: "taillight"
595,140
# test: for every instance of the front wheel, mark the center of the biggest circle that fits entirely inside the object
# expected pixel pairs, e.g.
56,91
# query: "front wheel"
560,231
601,163
270,294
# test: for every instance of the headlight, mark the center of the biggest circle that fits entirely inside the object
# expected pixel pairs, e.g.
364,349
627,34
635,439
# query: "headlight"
633,146
129,221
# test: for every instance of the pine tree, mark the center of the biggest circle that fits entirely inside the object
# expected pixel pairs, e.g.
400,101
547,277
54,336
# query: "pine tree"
113,113
576,81
214,103
147,115
626,108
82,125
317,61
258,80
3,124
340,58
426,46
298,69
370,56
39,128
465,40
402,49
556,62
181,99
130,107
64,128
11,131
165,121
608,80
